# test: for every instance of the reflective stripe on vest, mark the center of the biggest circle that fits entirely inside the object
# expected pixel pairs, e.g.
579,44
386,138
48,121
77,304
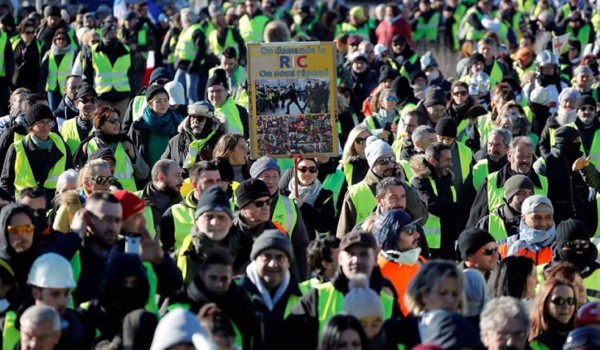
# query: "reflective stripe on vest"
59,73
433,226
229,113
334,183
71,134
465,158
214,45
363,199
252,30
186,48
137,107
496,227
123,165
107,76
592,286
194,149
285,214
3,43
496,195
10,334
427,30
23,172
183,219
331,303
480,172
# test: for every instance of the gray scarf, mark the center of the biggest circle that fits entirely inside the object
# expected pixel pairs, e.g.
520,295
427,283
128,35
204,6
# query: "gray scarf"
308,194
60,50
267,299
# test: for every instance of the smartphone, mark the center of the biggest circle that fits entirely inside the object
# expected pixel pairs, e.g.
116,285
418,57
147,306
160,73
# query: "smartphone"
132,244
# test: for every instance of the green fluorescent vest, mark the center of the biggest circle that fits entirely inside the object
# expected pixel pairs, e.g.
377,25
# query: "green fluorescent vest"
433,226
183,219
185,48
363,199
71,135
496,227
57,74
231,115
123,166
285,214
107,76
496,195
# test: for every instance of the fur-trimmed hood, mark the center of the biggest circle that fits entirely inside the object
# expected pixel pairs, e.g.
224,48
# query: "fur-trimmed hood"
421,168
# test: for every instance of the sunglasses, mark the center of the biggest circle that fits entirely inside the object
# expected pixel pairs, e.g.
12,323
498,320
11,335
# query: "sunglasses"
113,121
559,301
460,93
360,140
581,243
199,118
260,204
386,160
29,32
391,99
490,251
87,100
409,229
587,109
103,180
20,229
310,169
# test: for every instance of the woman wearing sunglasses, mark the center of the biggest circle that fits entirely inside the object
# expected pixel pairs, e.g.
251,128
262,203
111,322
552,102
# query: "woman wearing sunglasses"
458,106
553,315
384,115
56,66
129,164
28,55
354,163
315,202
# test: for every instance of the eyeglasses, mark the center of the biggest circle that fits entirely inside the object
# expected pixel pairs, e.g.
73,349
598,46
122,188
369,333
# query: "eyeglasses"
310,169
490,251
20,229
391,99
113,121
587,109
581,243
559,301
87,100
260,204
460,93
45,122
103,180
386,160
409,229
360,140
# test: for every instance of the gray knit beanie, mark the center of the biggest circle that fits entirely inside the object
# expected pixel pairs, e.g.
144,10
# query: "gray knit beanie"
362,301
263,164
474,291
376,148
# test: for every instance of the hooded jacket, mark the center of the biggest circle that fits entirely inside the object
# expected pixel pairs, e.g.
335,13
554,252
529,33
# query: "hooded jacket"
20,262
114,302
178,146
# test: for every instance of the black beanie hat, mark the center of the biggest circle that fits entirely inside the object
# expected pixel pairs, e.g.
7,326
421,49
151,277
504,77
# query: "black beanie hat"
108,27
219,77
516,183
213,199
225,169
471,240
38,112
159,73
585,100
154,90
387,73
7,20
476,57
565,135
569,230
402,87
446,127
52,10
272,239
249,191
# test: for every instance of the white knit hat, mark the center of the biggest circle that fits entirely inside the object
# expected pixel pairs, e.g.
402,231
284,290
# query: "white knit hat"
377,148
176,93
568,93
362,301
540,96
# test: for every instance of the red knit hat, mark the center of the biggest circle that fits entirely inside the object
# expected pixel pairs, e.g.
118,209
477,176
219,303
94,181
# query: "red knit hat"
130,202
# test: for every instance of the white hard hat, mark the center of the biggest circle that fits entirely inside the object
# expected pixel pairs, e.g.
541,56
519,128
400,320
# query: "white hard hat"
51,271
480,84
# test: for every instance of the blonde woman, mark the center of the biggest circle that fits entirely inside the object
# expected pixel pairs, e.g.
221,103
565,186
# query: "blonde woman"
354,163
